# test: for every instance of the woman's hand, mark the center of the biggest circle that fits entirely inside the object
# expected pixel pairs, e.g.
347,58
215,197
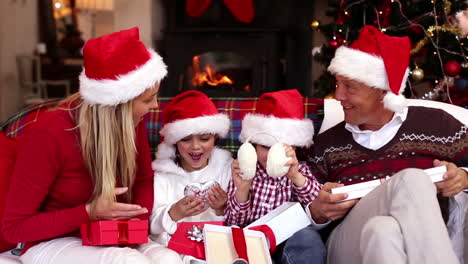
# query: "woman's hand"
217,199
104,209
187,206
243,186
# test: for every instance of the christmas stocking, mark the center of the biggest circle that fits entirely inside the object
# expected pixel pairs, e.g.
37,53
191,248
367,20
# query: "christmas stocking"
195,8
243,10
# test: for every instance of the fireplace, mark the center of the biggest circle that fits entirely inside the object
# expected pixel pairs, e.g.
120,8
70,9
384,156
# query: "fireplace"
223,57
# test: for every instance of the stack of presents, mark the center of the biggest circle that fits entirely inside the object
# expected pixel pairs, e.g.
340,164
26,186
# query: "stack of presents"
210,241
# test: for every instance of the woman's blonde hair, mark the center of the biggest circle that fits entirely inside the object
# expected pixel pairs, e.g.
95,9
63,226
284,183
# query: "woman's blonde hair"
107,137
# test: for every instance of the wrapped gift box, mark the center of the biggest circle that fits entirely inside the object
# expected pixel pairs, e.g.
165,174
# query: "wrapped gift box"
114,232
182,244
220,249
284,221
361,189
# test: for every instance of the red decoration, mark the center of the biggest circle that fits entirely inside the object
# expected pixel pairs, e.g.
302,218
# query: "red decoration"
333,44
452,68
242,10
385,10
416,30
8,148
114,232
343,17
181,244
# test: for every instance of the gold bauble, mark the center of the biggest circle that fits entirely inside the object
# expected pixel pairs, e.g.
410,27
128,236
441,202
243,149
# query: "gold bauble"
417,74
330,96
315,24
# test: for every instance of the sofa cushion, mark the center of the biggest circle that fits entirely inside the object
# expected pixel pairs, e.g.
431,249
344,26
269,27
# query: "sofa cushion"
7,162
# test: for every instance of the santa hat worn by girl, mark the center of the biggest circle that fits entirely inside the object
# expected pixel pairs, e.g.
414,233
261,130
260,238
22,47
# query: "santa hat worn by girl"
278,115
118,68
189,113
377,60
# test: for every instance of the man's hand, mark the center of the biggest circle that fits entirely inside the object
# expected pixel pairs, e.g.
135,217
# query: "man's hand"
327,206
455,179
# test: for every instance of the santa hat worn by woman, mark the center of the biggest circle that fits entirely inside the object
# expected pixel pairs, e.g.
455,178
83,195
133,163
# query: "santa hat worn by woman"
378,61
118,68
281,115
189,113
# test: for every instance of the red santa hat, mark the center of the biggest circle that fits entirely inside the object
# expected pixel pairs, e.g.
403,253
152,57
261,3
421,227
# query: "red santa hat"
118,67
281,115
377,60
190,113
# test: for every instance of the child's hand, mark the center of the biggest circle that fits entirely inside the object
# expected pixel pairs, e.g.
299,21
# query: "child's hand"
243,186
187,206
217,199
293,173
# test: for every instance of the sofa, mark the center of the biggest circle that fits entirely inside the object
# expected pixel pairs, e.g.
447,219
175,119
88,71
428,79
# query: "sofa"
22,121
324,113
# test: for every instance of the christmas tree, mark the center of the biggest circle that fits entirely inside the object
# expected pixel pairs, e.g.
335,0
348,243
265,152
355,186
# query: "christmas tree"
438,32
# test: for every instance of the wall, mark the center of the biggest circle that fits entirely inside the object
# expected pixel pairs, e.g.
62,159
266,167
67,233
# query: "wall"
130,13
18,34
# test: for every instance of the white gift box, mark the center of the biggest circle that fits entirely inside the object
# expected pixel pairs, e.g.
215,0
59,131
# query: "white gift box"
219,246
284,221
359,190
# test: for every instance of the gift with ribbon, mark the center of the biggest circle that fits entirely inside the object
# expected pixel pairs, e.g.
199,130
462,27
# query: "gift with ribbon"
114,232
228,245
281,223
188,238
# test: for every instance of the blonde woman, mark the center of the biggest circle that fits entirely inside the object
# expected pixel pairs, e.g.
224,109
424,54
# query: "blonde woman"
88,159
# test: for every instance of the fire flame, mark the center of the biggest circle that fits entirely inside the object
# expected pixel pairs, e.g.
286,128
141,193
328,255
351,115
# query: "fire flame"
208,75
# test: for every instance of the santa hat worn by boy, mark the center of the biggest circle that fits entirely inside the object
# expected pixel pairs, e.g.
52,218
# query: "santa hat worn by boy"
377,60
118,68
189,113
278,116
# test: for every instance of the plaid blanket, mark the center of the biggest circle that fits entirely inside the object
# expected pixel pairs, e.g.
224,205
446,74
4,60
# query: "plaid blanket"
235,108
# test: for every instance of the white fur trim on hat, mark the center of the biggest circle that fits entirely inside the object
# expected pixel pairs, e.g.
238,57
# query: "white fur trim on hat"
395,103
126,87
213,124
294,132
360,66
165,151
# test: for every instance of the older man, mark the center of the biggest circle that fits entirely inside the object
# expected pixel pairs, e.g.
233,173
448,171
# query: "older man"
400,221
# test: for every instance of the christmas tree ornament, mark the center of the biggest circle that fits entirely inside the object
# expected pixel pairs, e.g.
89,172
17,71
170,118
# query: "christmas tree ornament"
316,51
452,68
461,83
333,44
315,25
417,74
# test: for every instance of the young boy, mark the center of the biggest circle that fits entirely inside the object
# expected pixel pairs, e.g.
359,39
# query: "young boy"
278,116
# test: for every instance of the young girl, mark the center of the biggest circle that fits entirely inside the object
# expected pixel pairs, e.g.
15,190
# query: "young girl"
88,159
186,160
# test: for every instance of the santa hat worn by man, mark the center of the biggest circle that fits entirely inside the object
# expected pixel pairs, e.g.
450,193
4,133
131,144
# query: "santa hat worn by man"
118,68
377,60
281,115
189,113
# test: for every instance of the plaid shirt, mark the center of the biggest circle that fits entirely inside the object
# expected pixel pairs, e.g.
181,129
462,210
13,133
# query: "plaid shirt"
267,193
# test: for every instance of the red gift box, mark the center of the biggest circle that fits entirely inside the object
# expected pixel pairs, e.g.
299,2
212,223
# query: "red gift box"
181,244
114,232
